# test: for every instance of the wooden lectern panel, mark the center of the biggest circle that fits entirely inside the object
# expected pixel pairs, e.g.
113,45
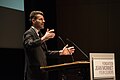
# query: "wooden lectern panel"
78,70
53,67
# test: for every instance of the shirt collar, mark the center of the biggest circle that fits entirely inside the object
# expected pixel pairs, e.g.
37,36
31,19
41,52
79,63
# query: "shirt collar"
36,30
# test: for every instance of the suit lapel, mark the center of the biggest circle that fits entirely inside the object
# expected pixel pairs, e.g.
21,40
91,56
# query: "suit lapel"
35,34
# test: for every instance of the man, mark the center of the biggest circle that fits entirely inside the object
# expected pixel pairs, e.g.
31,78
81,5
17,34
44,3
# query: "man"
36,49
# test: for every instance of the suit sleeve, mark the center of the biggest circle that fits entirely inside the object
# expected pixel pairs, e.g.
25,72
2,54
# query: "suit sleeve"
53,53
30,42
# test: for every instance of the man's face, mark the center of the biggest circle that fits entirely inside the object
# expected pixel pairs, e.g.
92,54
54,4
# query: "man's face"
39,22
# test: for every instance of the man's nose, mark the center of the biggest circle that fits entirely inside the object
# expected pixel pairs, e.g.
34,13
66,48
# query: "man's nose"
43,20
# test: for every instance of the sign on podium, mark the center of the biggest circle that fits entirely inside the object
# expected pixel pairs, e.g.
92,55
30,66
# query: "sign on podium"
102,66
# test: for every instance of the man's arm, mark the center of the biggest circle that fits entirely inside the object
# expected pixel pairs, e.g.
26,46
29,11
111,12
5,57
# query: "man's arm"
64,51
29,41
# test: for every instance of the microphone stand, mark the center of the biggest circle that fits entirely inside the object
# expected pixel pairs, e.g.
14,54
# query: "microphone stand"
78,48
67,48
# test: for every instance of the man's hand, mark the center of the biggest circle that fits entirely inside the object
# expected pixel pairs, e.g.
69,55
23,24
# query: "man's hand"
67,51
48,35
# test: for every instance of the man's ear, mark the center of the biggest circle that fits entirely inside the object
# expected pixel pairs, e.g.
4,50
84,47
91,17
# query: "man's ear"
33,20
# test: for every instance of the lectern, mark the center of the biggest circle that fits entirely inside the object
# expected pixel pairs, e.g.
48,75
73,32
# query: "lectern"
78,70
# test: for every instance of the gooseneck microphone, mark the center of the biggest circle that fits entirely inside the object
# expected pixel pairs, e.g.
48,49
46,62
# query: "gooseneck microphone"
67,48
62,40
77,47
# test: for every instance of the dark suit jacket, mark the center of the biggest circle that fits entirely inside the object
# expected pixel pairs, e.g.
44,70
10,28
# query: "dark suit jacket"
35,55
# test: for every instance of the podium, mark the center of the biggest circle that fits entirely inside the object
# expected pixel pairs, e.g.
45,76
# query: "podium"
78,70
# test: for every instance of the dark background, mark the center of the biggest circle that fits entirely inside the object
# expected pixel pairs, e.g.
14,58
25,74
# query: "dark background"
92,24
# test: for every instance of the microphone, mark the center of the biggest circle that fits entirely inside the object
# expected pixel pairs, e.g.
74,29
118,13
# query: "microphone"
62,40
65,45
77,48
